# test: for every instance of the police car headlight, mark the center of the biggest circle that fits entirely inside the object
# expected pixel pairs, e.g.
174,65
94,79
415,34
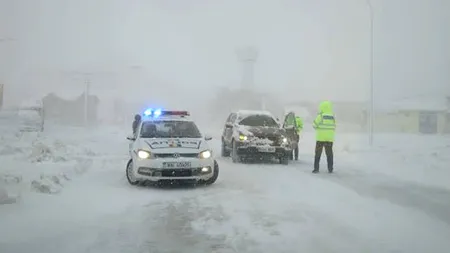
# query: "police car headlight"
143,154
284,140
205,154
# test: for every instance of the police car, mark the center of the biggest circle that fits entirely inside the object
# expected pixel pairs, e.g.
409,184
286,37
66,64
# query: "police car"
169,146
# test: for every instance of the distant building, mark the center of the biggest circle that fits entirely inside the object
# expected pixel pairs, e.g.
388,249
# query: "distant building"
70,111
426,115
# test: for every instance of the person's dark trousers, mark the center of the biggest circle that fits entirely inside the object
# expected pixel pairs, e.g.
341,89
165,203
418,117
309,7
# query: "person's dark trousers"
296,153
295,156
320,145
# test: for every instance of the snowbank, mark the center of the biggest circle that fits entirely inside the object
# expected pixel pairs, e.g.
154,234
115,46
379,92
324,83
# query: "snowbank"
40,163
421,159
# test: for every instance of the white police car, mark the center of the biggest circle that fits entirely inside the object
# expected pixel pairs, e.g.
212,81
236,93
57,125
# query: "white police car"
169,146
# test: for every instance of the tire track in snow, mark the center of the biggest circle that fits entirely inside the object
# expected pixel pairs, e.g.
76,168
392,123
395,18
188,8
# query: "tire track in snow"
299,173
433,201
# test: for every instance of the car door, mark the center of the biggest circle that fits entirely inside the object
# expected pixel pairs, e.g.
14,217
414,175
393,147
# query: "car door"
290,126
228,131
132,143
225,127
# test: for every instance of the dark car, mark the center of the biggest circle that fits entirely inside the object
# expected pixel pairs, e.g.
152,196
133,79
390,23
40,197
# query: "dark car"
255,135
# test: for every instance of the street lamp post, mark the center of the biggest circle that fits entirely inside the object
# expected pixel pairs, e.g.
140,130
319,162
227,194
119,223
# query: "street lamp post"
371,89
86,99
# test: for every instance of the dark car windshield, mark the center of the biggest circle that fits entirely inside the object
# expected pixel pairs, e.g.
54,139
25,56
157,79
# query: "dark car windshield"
258,120
169,129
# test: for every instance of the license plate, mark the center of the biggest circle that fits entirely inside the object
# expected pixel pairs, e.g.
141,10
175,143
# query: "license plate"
267,149
177,165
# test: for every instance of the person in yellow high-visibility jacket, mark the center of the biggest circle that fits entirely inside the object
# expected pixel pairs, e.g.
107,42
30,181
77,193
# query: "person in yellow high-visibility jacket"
299,124
325,126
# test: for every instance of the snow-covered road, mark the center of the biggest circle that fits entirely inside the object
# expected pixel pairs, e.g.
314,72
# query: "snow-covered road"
251,208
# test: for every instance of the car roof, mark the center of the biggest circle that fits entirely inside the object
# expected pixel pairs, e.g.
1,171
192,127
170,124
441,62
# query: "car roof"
167,118
245,113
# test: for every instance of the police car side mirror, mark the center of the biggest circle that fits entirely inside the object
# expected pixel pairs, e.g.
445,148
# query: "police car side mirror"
208,137
228,125
131,138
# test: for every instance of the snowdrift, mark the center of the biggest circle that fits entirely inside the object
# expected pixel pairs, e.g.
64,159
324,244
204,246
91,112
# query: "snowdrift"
38,163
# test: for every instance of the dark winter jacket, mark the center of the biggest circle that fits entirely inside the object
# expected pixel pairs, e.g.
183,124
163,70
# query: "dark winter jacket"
136,122
135,125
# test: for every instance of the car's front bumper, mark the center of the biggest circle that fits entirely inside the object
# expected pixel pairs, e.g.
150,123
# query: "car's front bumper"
250,150
156,169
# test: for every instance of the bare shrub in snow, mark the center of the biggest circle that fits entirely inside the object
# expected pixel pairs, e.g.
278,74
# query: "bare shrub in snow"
51,178
45,185
40,152
10,179
65,176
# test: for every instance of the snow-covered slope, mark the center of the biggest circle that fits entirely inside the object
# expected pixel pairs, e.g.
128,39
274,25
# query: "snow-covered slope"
45,162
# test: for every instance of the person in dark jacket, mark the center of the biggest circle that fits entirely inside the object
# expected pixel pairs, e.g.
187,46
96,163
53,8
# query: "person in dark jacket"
136,122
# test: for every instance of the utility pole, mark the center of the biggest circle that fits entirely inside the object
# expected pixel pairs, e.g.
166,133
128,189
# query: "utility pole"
86,100
1,95
371,106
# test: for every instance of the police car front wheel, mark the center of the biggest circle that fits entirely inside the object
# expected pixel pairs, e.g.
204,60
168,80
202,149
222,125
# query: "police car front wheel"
213,179
129,172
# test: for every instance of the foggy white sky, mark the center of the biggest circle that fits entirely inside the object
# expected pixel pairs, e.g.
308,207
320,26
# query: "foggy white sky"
312,48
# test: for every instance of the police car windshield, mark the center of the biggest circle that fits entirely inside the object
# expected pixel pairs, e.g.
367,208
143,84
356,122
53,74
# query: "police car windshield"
258,120
169,129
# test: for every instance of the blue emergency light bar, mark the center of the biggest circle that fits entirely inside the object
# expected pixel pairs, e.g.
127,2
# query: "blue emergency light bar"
158,112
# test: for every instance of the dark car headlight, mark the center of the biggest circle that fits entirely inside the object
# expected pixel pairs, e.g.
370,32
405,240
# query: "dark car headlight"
243,137
283,140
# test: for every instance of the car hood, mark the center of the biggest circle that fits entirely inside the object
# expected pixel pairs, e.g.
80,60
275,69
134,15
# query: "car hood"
263,131
172,144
